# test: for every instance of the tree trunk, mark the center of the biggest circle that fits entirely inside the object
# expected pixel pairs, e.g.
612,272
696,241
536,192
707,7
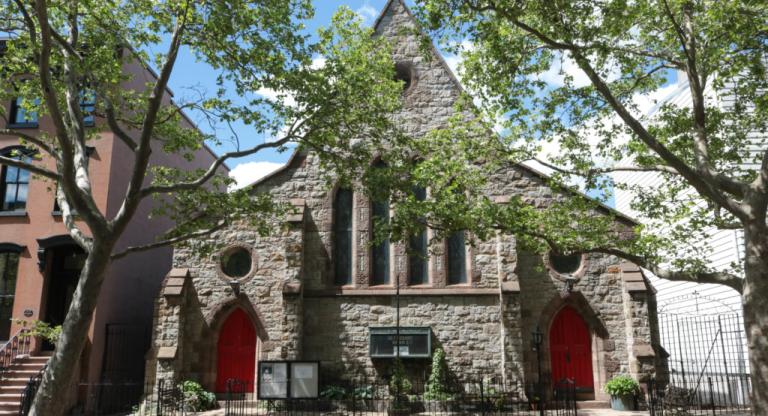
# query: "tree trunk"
51,398
756,315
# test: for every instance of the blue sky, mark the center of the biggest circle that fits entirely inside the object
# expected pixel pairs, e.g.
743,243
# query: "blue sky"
189,74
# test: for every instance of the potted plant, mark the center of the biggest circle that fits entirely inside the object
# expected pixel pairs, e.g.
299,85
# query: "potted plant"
399,387
622,389
437,396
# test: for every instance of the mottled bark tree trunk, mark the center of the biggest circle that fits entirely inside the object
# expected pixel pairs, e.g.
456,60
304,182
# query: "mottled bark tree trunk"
756,314
63,365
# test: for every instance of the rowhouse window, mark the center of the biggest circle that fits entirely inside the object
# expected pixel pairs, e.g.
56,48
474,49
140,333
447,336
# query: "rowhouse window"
417,250
14,184
21,117
342,237
456,257
88,106
9,267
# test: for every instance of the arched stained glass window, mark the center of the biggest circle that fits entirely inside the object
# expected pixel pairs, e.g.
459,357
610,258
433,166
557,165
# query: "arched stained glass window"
418,262
456,257
380,251
342,237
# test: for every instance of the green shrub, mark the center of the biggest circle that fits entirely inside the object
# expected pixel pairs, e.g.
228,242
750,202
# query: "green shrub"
196,398
621,386
41,329
399,383
437,383
363,392
334,393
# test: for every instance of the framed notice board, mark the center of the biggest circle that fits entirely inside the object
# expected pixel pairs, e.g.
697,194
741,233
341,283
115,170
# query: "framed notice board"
288,379
413,342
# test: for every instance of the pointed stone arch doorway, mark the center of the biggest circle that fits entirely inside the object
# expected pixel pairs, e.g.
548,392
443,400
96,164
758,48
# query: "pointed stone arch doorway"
591,325
570,349
237,349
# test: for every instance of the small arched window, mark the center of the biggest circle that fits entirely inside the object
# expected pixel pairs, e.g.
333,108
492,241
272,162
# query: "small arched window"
418,264
456,258
342,237
14,182
380,251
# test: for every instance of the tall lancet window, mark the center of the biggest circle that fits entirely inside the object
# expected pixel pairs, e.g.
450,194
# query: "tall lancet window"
380,251
456,256
342,237
418,263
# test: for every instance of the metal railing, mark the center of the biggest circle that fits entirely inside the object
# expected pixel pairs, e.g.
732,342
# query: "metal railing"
30,391
164,398
18,345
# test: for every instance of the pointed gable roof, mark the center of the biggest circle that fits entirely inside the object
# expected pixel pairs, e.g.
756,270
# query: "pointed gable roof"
397,15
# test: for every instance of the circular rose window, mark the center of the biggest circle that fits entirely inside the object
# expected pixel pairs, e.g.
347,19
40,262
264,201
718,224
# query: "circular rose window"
236,262
565,263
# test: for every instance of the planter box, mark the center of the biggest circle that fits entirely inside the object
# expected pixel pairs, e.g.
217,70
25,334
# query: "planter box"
623,403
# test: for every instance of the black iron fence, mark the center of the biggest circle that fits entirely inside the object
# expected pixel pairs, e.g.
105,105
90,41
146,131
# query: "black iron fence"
165,398
482,397
713,394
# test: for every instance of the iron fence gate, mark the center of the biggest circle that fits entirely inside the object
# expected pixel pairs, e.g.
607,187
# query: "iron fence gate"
707,368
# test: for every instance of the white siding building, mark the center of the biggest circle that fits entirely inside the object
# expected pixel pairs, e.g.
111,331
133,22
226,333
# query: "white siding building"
701,324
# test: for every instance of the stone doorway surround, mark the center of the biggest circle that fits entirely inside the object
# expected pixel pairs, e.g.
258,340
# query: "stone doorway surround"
598,334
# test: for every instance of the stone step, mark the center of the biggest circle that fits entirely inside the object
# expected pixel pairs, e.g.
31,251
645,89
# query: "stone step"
593,404
27,365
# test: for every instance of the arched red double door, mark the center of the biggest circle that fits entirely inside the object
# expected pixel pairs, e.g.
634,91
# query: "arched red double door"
570,349
236,350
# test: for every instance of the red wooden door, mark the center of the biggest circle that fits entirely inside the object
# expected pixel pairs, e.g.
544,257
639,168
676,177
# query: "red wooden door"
570,349
237,350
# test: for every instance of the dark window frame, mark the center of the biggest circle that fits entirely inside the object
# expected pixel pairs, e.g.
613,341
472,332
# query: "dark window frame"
14,114
88,107
456,267
8,281
16,183
342,236
418,250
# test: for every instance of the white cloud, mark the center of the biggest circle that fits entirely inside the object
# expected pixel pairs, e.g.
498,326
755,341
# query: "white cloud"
563,65
249,172
367,13
285,97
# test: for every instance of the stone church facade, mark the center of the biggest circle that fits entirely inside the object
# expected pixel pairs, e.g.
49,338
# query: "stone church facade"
316,290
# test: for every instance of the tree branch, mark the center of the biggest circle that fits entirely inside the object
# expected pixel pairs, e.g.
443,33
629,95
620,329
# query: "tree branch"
182,186
118,131
32,139
30,167
712,277
169,241
144,148
68,218
603,171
